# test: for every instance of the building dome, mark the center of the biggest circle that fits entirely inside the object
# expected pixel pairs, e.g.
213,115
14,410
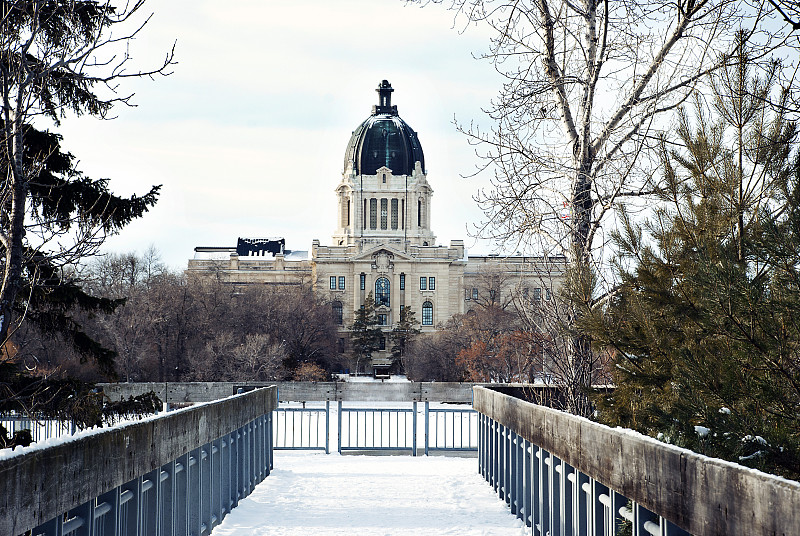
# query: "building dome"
384,139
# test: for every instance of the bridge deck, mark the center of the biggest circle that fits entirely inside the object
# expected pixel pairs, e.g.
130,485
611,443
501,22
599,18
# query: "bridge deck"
318,494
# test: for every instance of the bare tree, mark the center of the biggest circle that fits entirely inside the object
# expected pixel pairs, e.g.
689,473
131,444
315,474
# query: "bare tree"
547,319
589,89
495,286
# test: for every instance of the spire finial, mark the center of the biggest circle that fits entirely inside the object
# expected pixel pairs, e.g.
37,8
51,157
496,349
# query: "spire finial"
384,99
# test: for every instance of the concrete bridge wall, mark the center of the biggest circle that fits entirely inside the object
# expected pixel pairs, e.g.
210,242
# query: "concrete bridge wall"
704,496
184,392
37,485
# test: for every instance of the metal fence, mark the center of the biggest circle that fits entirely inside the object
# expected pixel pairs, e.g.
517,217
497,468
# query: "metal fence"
174,474
368,427
450,429
551,496
40,427
384,429
305,428
188,496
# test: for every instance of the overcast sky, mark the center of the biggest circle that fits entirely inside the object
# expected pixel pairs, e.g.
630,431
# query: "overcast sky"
248,134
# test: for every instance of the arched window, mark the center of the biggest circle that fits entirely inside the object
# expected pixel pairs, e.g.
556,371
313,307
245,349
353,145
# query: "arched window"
427,314
337,312
382,292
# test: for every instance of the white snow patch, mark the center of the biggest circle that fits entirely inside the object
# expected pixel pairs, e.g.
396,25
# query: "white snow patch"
702,431
327,495
350,378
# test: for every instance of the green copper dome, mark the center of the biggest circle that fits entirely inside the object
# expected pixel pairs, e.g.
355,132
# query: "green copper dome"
384,139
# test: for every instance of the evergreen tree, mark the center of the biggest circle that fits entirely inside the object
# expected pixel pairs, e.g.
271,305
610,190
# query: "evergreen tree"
56,57
51,215
404,333
365,333
705,327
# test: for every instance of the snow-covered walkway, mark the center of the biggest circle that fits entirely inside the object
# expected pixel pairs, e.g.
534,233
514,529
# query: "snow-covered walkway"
310,494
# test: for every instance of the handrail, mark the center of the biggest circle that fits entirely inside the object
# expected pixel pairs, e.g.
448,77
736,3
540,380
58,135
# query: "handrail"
702,495
39,484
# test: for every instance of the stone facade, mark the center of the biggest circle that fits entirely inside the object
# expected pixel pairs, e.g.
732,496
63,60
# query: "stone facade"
384,245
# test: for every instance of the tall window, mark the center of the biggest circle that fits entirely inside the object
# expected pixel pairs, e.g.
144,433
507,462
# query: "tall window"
382,343
431,283
423,283
402,281
474,294
363,280
427,314
537,294
419,213
384,212
337,312
341,282
394,213
373,213
382,292
333,282
402,213
347,205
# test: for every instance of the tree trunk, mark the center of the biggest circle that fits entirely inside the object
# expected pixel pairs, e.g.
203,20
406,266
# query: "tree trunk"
12,276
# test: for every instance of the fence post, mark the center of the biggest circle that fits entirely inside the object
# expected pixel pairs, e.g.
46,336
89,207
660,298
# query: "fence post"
414,433
427,427
527,482
339,418
327,426
480,444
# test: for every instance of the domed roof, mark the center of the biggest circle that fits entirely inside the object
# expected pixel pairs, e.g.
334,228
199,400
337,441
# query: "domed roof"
384,139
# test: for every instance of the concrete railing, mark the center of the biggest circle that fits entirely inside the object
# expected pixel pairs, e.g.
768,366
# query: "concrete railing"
188,392
179,473
451,392
558,470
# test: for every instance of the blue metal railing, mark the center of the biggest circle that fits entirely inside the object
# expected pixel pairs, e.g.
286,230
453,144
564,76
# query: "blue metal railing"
306,428
376,429
385,429
551,496
450,429
175,474
188,496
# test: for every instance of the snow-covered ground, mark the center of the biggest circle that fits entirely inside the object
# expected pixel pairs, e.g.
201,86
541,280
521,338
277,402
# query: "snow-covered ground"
313,494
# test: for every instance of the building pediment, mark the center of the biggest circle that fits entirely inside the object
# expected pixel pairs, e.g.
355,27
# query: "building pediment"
382,251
